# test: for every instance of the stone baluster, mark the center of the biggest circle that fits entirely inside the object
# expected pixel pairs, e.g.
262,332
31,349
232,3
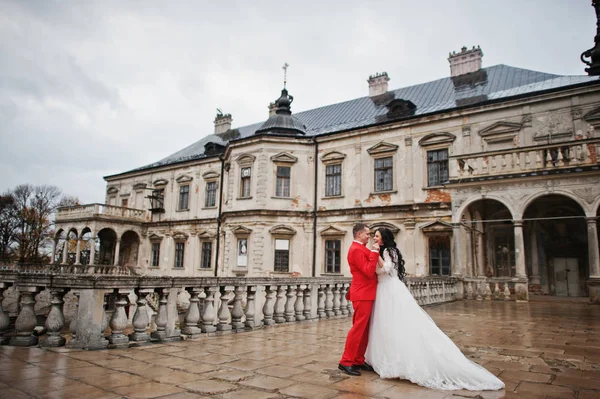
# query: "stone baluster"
493,164
299,306
343,300
506,292
517,161
485,165
192,315
290,314
251,307
503,162
469,290
329,301
497,291
269,306
55,320
337,301
321,302
140,317
527,164
224,313
479,290
280,304
162,316
307,303
208,316
488,292
597,145
237,312
26,321
560,160
4,318
538,158
118,321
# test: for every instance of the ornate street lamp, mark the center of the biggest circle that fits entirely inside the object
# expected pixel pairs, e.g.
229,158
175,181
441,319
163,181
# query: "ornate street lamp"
594,53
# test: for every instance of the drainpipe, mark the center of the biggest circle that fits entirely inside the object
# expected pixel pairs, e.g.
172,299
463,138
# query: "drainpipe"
219,216
314,265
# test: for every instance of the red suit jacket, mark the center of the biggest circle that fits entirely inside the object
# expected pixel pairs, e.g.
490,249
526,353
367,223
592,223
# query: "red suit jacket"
363,263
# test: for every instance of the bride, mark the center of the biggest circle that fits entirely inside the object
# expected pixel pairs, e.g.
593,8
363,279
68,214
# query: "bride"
404,342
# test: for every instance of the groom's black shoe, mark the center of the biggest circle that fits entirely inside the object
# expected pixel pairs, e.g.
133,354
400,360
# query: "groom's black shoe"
350,370
364,366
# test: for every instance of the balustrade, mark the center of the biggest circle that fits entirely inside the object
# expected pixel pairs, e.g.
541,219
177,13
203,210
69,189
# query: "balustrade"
99,210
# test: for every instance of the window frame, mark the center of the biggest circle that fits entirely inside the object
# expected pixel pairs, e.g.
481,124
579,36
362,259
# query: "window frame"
182,253
286,252
181,196
202,255
282,178
440,181
430,247
337,255
335,175
207,196
245,181
154,255
376,169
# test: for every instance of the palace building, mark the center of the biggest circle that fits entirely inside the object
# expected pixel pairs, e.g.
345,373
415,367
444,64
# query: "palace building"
489,174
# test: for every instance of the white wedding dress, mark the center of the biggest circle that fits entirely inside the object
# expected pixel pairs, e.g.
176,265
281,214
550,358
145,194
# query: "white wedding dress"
404,342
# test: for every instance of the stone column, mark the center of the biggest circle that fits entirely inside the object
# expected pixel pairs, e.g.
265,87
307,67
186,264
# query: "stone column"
521,285
299,305
458,267
290,314
89,320
65,251
593,282
280,304
535,263
4,319
224,314
250,307
269,306
78,252
117,251
26,321
55,320
237,312
53,251
92,250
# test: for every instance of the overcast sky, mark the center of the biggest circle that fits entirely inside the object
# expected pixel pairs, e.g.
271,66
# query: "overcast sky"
93,88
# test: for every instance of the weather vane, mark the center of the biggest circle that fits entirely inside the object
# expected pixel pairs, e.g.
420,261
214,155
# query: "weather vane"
285,67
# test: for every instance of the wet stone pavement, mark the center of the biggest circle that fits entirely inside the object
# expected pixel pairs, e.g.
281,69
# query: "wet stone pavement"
541,349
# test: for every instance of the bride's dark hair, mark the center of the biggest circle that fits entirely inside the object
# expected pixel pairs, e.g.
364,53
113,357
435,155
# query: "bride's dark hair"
390,244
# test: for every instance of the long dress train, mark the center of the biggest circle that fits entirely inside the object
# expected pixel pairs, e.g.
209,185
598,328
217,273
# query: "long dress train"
404,342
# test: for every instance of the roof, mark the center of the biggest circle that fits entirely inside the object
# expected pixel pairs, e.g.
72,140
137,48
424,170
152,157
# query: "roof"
492,83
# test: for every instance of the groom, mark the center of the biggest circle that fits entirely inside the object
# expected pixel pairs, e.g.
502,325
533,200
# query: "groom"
362,263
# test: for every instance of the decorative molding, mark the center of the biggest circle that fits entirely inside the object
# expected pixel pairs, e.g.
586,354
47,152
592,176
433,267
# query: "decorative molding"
436,139
386,225
333,157
184,179
408,141
155,237
593,117
588,194
180,236
332,231
437,226
112,190
205,234
210,175
245,159
527,120
284,157
160,182
139,186
501,132
241,231
576,113
466,130
382,148
282,230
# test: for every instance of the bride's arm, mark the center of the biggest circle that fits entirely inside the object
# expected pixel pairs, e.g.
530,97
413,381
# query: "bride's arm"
386,263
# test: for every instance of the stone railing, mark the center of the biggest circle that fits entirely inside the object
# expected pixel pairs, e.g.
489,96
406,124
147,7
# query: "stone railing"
524,160
216,305
68,213
488,288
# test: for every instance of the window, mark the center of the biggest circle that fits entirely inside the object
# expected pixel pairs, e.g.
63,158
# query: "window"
439,255
179,248
211,194
184,197
333,180
206,255
504,252
282,255
245,183
282,185
333,258
155,254
383,174
124,202
437,167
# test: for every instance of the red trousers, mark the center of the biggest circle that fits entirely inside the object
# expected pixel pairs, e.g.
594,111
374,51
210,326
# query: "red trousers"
358,336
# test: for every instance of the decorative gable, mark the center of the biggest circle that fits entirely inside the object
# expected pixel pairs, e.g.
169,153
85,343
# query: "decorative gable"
179,236
245,159
436,226
332,231
160,182
386,225
210,175
184,179
382,148
112,190
282,230
332,157
593,117
155,237
436,139
284,158
241,231
139,186
500,132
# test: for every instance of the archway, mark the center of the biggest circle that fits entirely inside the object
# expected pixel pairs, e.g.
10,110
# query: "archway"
128,253
59,245
72,238
87,244
556,240
108,243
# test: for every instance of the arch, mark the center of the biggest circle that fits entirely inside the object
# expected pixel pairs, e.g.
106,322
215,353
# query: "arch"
530,199
86,246
59,242
386,225
108,242
457,216
128,253
71,241
596,208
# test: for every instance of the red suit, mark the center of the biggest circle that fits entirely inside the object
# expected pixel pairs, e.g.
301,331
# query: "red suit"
363,263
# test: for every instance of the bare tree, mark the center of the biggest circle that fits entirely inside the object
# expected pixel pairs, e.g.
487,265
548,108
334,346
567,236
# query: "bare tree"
9,223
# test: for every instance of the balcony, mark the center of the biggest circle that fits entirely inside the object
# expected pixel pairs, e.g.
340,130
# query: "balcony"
99,211
538,160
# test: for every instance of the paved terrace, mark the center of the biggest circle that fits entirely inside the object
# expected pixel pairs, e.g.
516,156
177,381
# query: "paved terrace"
541,349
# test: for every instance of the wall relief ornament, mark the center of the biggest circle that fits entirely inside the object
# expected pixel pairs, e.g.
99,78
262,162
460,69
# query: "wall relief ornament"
588,194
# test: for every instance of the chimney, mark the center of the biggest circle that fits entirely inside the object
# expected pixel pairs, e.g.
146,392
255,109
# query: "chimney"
272,109
378,84
466,61
222,122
